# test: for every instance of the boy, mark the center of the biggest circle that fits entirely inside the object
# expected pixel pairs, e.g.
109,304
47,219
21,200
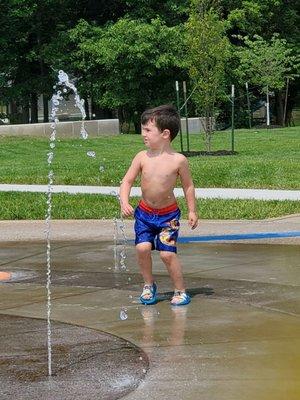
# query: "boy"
157,215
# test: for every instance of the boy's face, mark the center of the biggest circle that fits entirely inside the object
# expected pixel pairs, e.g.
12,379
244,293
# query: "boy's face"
153,137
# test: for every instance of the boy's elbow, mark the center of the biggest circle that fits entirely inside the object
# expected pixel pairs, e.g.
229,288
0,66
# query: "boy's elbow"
189,188
126,182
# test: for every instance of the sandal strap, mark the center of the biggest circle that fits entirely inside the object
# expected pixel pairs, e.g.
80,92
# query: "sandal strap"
148,290
178,293
180,298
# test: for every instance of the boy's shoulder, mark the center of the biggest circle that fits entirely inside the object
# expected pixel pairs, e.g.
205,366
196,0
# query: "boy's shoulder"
140,154
179,157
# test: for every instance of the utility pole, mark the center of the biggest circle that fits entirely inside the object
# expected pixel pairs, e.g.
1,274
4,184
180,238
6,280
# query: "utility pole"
285,100
178,108
186,116
268,108
232,118
248,106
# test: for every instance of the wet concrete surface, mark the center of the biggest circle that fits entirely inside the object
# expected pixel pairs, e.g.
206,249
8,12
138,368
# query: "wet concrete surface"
87,364
238,339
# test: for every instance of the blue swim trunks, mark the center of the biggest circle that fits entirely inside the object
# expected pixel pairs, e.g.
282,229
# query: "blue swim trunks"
160,227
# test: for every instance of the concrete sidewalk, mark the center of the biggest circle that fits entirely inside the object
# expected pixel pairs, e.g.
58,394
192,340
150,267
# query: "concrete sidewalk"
101,230
201,193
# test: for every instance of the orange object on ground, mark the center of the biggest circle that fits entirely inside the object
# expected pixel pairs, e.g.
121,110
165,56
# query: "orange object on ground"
5,276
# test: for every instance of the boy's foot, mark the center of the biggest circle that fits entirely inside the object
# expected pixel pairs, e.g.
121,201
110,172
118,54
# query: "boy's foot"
148,295
180,298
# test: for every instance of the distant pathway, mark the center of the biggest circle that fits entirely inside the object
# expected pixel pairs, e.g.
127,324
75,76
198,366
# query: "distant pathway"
201,193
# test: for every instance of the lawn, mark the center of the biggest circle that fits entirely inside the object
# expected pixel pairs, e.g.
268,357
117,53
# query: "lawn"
264,159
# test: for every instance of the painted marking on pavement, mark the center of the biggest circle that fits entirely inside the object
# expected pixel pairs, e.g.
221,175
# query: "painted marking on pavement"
241,236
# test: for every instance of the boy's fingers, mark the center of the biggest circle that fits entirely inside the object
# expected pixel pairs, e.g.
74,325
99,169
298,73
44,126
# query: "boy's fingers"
127,212
193,223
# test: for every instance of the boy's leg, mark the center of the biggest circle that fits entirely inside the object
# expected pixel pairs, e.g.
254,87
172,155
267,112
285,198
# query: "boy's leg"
173,265
143,252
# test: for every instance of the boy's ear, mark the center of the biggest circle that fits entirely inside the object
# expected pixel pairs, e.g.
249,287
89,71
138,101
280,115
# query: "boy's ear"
166,133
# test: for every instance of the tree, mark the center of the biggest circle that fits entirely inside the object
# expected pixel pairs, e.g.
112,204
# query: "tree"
172,12
267,64
26,29
131,64
262,17
208,51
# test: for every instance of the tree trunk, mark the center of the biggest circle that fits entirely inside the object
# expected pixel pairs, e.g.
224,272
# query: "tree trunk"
45,108
121,118
12,110
87,108
18,114
137,122
34,108
208,131
25,114
279,103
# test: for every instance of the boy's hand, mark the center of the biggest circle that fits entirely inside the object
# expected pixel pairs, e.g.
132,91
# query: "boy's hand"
127,210
193,220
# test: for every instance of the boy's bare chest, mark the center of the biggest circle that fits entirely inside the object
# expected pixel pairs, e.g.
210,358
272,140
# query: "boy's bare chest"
159,169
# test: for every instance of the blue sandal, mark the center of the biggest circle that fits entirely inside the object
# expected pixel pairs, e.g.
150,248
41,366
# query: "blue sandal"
180,298
148,295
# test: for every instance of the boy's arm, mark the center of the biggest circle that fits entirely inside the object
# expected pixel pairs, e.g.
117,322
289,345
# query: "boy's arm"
127,183
189,191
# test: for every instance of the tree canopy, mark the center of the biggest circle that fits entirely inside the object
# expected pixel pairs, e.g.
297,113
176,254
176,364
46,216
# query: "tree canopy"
127,54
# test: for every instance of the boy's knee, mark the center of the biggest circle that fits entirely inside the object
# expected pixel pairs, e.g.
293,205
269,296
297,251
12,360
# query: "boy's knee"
167,256
143,249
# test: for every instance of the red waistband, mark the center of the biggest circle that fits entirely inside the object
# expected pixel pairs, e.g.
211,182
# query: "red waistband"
159,211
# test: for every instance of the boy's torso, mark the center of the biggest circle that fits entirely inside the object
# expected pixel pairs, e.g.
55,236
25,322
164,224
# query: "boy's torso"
158,178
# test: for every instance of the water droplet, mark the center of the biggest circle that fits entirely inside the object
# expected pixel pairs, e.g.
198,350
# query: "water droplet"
50,157
91,154
62,76
123,314
83,133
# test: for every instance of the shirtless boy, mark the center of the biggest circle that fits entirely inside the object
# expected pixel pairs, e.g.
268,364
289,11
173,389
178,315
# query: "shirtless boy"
157,215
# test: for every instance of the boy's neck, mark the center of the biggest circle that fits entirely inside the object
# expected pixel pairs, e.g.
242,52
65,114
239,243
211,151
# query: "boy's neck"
164,148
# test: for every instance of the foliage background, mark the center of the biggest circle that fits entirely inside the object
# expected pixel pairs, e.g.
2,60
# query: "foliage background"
126,55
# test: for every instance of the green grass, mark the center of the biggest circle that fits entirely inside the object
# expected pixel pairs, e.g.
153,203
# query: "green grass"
17,206
266,159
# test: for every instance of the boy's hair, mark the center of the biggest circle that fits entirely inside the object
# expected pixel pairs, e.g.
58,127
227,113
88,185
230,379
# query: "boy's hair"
164,117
